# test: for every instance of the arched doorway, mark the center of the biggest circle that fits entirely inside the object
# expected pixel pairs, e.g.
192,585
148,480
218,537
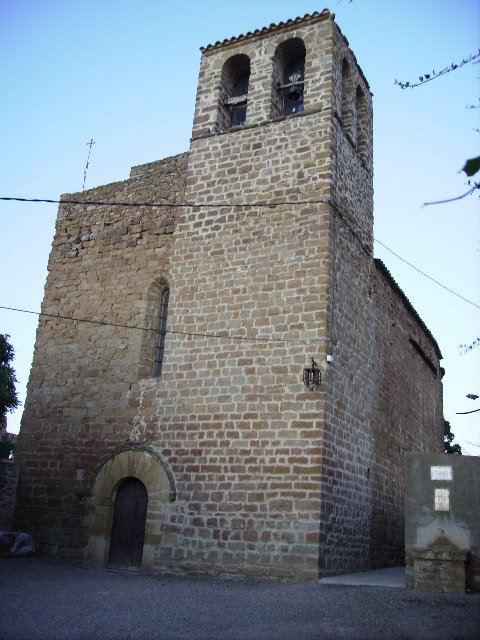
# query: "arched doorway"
148,468
128,527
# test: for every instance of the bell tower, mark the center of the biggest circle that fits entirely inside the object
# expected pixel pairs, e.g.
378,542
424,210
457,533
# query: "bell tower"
296,91
265,267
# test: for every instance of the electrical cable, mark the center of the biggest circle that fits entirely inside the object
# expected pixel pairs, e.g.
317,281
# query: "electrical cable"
174,205
218,205
474,304
167,331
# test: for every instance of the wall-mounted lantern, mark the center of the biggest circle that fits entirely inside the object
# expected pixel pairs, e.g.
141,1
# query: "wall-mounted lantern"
311,376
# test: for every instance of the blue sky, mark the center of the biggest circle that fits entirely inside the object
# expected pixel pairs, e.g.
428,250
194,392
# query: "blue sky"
125,74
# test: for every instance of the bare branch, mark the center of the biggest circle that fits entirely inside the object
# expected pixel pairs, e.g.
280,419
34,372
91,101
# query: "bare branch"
464,195
473,106
465,413
465,348
428,77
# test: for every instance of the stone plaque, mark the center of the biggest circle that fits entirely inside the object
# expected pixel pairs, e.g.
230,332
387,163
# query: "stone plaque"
442,499
441,473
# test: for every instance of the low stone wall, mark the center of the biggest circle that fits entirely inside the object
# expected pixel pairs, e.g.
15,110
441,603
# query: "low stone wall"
8,489
442,522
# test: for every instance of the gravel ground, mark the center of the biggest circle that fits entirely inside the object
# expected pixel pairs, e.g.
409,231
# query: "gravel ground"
46,600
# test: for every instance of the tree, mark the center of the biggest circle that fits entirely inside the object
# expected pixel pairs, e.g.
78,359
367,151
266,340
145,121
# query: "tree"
7,448
8,394
448,437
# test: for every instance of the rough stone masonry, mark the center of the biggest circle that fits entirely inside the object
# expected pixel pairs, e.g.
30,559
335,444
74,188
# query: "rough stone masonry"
260,241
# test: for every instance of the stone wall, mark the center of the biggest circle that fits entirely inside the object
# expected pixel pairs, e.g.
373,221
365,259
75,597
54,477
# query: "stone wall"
84,386
8,488
347,427
408,408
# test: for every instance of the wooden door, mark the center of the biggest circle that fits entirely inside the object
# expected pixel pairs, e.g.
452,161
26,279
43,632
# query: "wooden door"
128,528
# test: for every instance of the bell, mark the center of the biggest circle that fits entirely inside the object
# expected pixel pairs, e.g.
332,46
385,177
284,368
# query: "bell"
293,94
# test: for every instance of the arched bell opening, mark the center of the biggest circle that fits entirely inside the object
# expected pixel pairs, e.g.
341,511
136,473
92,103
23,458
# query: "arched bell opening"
347,99
362,124
234,92
288,78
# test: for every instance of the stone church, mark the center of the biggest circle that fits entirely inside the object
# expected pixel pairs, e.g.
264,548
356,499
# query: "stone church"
225,380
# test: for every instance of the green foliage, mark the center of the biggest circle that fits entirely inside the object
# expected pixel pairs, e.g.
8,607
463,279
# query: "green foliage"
8,394
448,437
472,166
7,448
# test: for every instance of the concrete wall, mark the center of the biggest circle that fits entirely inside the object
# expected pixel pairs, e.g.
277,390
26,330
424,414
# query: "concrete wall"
442,522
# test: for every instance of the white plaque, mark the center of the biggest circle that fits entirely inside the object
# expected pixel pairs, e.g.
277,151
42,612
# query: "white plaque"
442,499
441,473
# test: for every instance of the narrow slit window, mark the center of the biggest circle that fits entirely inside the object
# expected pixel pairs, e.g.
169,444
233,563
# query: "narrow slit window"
161,331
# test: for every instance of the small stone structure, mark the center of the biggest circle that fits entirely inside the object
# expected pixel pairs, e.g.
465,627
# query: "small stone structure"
166,407
442,522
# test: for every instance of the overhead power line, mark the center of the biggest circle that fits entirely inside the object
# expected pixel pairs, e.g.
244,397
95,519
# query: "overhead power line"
244,205
174,205
425,275
219,336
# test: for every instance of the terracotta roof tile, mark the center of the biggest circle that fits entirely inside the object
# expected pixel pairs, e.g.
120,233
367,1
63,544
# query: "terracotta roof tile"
309,17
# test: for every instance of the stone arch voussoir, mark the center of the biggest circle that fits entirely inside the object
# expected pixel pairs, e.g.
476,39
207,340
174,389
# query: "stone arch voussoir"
132,461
